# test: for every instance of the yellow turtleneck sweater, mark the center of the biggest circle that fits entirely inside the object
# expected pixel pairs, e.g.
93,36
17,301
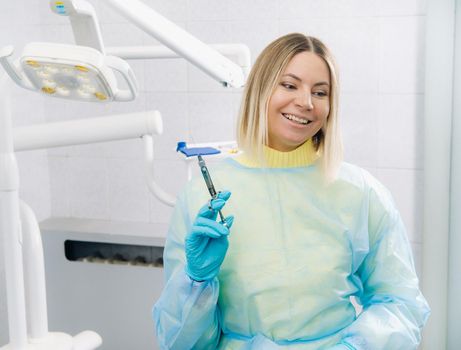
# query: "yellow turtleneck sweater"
304,155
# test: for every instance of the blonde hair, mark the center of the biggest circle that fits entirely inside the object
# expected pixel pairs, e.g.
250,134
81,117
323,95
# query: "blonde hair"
252,128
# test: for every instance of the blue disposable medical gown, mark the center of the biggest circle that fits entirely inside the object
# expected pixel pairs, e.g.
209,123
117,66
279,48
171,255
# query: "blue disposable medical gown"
298,251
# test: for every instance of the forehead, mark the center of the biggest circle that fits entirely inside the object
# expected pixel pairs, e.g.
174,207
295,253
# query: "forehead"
309,67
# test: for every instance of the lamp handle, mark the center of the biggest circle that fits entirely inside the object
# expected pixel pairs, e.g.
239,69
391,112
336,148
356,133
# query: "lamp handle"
125,70
14,73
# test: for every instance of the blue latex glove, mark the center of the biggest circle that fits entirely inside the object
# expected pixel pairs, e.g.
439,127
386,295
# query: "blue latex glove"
206,244
341,347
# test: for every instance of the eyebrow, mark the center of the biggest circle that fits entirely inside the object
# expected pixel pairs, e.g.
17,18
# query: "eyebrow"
299,79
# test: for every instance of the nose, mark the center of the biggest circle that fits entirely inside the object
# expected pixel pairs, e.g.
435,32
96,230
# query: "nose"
304,100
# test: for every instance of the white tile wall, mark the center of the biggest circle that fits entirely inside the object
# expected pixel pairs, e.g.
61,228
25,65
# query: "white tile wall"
122,34
401,54
16,10
298,9
59,32
166,75
210,117
107,14
23,114
127,194
174,108
400,131
57,110
19,35
256,34
252,10
175,11
402,8
88,187
207,10
359,117
353,8
59,183
34,181
406,186
379,46
171,175
317,27
353,42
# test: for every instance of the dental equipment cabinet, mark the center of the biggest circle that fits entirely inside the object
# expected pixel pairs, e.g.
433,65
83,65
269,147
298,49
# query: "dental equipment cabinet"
84,72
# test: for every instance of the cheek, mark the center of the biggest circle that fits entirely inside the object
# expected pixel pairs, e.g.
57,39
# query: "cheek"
275,103
279,99
324,111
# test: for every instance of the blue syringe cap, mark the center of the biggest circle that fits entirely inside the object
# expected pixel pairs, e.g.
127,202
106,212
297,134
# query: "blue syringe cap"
181,145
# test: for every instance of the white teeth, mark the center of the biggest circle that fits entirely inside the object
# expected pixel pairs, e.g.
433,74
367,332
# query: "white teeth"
296,119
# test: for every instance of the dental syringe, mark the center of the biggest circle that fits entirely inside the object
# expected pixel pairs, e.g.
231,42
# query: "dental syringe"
209,183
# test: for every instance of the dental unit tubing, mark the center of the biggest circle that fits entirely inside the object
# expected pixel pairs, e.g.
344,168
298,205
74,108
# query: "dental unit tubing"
75,132
158,192
240,51
34,274
10,225
14,271
180,41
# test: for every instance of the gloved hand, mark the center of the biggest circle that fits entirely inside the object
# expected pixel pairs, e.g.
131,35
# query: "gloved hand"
206,244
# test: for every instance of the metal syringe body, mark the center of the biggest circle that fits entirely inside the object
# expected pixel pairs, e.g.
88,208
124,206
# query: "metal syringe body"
209,183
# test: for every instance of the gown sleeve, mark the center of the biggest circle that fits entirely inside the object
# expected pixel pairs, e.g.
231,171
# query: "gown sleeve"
394,309
186,315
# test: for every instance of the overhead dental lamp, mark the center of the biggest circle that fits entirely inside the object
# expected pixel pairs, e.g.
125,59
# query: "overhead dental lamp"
70,71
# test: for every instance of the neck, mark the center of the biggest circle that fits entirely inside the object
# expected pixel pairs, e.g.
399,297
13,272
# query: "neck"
304,155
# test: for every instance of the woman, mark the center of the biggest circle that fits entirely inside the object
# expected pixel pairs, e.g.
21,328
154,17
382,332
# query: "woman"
310,231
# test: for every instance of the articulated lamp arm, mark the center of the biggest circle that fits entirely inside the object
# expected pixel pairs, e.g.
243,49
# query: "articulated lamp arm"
83,20
180,41
102,129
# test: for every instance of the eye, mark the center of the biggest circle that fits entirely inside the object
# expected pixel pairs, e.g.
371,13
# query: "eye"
288,86
320,93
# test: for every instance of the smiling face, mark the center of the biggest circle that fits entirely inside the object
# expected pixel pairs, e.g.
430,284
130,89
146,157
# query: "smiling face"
300,104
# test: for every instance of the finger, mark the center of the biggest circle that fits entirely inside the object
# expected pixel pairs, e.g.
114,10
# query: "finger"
229,221
217,204
223,195
219,228
214,205
203,231
207,211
